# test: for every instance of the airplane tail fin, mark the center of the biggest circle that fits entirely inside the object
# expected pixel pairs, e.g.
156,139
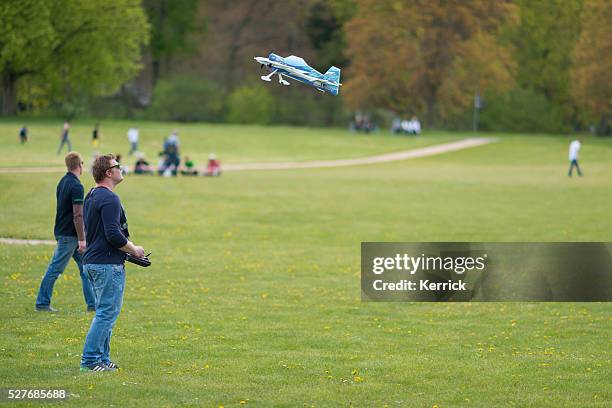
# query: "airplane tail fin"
333,74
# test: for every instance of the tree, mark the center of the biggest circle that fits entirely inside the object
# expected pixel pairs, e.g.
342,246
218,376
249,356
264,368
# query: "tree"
325,29
544,40
25,38
480,66
240,30
403,53
69,49
175,27
592,64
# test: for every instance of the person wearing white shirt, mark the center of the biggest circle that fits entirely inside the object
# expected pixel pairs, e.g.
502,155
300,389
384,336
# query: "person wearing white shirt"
133,135
405,125
414,126
574,148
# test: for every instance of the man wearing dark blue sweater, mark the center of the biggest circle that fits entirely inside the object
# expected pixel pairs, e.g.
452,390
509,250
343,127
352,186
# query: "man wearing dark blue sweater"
107,236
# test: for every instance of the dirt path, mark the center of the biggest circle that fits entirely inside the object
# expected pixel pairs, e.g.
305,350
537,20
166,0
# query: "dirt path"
383,158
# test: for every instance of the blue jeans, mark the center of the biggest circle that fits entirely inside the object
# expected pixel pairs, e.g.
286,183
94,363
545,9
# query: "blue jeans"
574,163
67,247
64,141
134,148
108,284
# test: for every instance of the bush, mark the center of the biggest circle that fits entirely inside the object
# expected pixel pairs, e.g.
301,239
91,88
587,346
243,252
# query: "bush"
250,104
186,98
521,110
303,106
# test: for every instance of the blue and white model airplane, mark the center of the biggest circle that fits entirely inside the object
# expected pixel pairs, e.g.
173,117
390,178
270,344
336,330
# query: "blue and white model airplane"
296,68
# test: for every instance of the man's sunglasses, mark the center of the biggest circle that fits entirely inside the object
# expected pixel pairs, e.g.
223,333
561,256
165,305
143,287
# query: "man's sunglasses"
116,165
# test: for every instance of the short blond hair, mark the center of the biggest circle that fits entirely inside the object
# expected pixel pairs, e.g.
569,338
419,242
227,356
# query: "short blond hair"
73,160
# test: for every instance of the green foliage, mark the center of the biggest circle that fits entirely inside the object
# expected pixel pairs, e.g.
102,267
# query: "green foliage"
186,98
405,55
307,107
521,110
70,48
544,39
324,27
428,58
592,66
26,36
250,104
171,22
174,29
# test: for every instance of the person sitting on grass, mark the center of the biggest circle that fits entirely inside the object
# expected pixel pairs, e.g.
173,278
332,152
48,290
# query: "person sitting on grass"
172,158
414,126
213,169
124,169
142,166
161,164
166,166
188,169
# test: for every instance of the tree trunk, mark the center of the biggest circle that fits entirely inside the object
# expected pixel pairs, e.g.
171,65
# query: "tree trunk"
156,68
604,128
156,54
127,102
9,94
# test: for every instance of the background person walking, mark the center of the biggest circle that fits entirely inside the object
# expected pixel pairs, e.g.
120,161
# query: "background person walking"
133,136
574,149
69,233
23,134
64,138
95,136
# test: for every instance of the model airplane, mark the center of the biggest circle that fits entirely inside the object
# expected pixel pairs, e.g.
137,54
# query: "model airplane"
296,68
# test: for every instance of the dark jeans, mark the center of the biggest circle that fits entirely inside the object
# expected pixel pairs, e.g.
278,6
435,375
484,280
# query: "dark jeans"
67,247
574,163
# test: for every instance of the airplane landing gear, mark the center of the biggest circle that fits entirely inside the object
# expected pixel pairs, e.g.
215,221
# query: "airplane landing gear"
268,77
282,81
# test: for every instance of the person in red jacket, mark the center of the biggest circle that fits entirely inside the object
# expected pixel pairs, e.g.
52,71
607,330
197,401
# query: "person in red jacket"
214,166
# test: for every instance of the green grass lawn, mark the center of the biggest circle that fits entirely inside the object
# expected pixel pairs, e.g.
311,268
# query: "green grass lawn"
253,297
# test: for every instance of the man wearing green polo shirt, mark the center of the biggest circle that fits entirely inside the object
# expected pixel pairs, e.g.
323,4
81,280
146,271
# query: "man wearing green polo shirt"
69,232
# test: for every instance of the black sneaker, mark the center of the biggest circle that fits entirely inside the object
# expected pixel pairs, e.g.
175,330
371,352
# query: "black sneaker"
110,364
46,309
96,368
